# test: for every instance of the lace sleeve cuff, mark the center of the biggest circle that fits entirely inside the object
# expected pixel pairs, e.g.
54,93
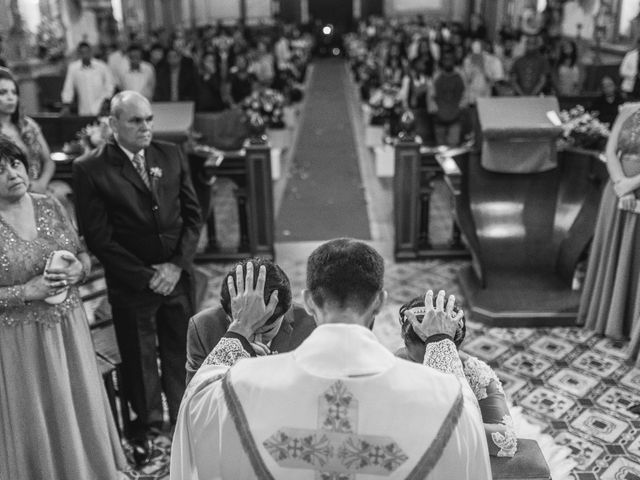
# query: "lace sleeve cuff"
12,296
229,350
506,440
443,356
480,376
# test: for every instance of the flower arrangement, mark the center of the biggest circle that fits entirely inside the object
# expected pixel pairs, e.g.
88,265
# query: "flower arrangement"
581,128
50,38
385,104
267,103
91,136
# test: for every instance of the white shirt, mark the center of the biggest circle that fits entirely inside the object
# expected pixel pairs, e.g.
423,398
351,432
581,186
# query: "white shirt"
142,81
117,62
92,85
629,70
282,53
127,152
340,386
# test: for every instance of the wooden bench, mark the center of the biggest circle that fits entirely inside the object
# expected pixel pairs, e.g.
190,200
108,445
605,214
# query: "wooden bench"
527,464
109,364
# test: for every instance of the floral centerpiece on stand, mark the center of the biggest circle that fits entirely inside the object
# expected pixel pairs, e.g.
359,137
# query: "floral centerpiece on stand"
267,103
91,136
386,109
582,129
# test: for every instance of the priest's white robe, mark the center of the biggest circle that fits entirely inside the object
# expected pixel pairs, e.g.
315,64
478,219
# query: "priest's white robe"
338,407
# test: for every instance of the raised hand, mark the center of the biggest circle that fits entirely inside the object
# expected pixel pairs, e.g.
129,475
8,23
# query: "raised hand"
248,308
437,320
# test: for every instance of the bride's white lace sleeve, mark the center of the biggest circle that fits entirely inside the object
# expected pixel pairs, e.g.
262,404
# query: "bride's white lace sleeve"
498,424
443,355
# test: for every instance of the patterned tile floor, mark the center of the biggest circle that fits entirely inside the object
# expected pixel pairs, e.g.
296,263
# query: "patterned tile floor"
575,385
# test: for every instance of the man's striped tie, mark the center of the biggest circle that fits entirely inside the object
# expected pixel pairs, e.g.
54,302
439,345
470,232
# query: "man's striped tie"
139,164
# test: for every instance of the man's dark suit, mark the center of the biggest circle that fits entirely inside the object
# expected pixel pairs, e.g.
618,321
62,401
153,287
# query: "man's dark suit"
130,227
208,327
187,79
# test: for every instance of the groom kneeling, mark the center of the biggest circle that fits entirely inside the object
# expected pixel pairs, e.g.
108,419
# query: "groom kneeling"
338,404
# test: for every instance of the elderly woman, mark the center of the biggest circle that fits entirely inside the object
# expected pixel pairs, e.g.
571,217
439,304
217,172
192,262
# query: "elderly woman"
484,382
55,420
24,132
610,303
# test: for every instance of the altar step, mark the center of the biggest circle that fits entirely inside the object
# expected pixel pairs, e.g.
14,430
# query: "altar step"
519,299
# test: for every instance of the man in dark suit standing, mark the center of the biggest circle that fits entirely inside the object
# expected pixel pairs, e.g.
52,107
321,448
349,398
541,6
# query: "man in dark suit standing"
175,78
139,215
284,331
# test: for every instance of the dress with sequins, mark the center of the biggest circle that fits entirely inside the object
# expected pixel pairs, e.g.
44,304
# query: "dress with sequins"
55,420
610,303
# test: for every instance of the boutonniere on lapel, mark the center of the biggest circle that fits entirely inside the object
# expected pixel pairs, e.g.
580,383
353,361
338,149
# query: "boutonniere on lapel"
155,173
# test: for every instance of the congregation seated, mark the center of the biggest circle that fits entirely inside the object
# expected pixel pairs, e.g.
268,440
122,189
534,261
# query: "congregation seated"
215,67
521,63
285,330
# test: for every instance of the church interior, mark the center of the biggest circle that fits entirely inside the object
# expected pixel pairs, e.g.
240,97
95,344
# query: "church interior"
470,142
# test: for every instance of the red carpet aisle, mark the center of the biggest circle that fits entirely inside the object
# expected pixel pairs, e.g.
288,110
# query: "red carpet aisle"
324,197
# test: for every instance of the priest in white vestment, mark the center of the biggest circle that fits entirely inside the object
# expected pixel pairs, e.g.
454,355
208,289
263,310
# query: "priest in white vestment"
340,406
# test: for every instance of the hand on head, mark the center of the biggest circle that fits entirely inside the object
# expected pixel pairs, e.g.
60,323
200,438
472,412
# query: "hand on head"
437,320
248,309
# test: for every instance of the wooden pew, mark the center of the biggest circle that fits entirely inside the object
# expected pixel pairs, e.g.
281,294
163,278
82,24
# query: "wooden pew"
250,169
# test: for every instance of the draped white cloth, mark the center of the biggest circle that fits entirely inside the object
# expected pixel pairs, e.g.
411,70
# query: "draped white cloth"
340,385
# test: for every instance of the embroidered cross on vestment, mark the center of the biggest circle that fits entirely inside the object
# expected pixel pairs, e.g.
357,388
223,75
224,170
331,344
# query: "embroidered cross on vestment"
335,450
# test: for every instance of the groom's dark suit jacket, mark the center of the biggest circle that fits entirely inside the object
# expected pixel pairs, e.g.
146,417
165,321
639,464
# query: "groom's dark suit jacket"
130,227
209,326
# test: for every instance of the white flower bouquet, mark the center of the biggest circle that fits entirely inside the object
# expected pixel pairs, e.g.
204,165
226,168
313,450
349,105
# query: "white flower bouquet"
582,129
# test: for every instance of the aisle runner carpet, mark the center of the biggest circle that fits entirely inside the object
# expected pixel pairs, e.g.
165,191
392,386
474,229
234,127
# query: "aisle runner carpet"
324,197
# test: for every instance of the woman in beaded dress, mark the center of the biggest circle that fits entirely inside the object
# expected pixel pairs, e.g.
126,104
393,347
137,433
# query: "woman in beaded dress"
498,424
24,132
55,420
610,302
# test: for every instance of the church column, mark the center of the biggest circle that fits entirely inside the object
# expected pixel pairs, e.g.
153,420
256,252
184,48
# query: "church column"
17,41
243,11
172,12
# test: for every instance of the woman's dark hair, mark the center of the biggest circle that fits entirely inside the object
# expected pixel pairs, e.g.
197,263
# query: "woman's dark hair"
9,151
5,74
276,280
572,56
409,335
